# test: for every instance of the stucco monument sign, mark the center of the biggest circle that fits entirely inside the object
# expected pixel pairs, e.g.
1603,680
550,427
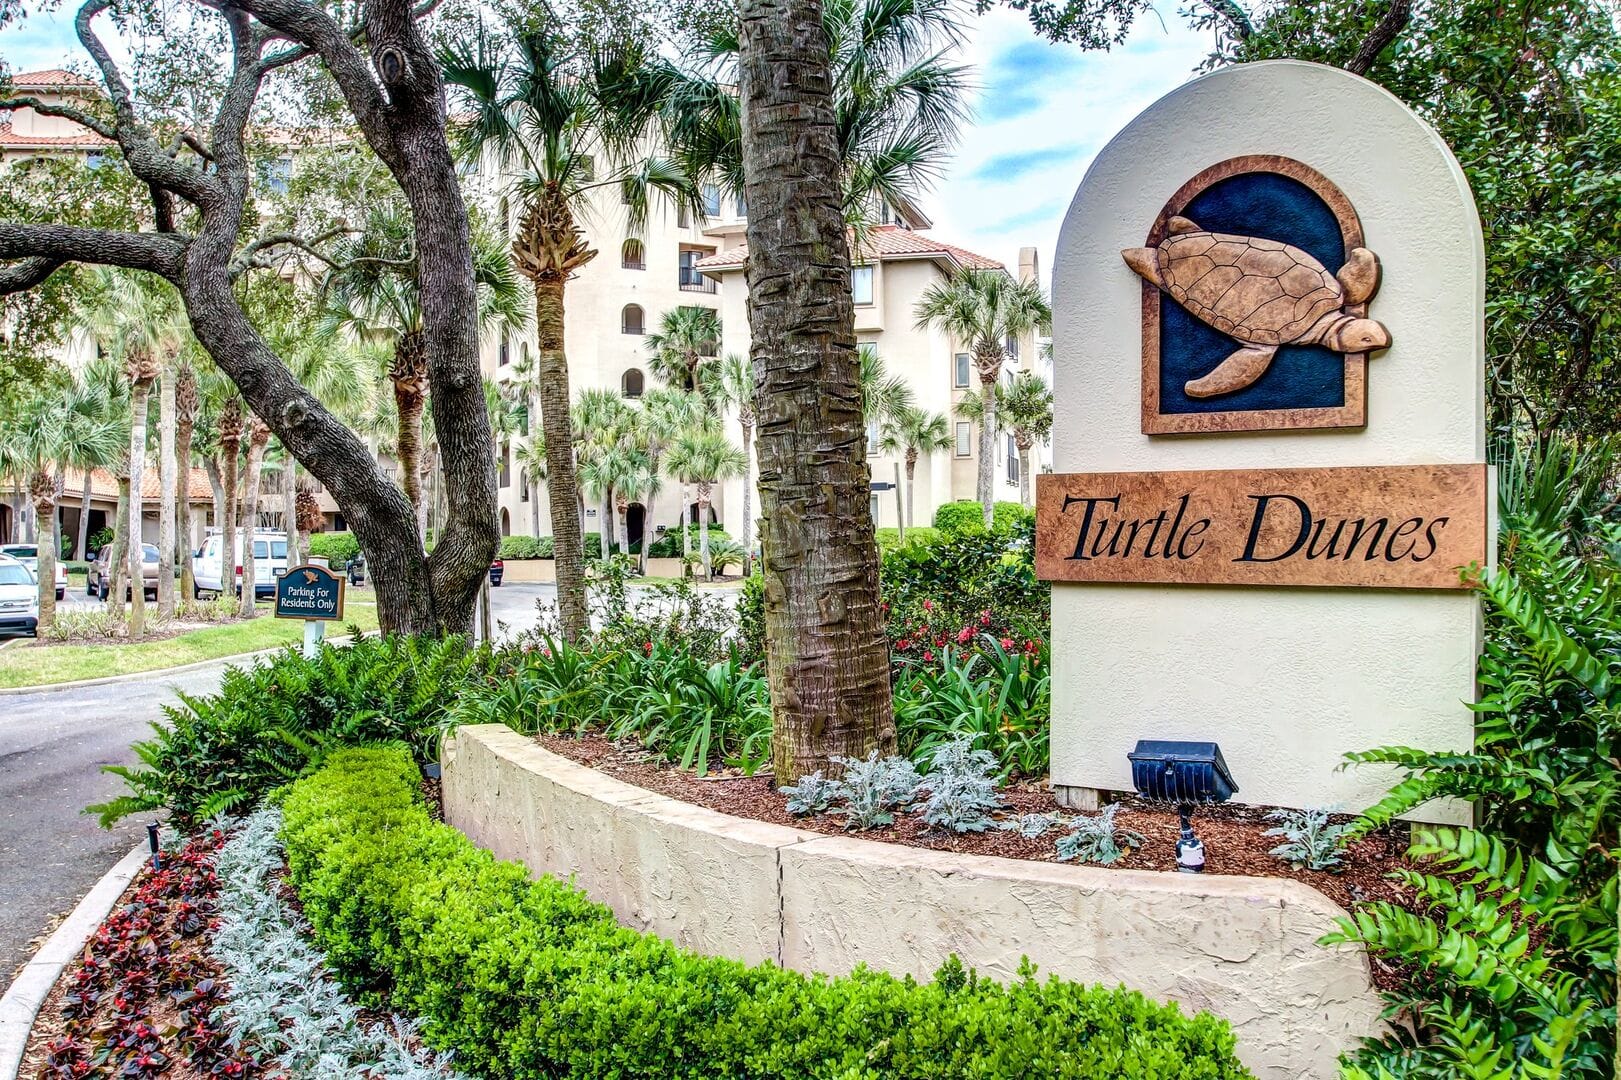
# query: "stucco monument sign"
1269,440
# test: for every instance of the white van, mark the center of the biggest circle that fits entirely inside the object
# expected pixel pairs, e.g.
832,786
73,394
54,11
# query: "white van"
269,563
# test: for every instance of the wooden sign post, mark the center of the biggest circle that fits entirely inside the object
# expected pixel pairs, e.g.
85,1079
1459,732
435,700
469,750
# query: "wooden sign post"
312,593
1269,441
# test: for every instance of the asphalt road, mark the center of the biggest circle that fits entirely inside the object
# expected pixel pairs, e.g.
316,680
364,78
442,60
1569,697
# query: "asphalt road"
53,745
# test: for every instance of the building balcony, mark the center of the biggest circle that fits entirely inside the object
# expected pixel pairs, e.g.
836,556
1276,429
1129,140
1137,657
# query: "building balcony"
692,281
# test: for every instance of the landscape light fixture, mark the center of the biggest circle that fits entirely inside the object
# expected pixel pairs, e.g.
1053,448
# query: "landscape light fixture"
1186,773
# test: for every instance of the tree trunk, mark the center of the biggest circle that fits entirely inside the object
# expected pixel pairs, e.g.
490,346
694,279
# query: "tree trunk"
989,370
622,510
186,404
81,544
686,526
911,475
748,495
561,483
1024,446
827,657
137,463
605,536
289,510
230,440
116,561
703,531
258,438
42,486
408,375
166,485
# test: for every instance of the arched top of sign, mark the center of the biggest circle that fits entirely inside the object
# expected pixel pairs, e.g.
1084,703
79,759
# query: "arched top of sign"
1256,284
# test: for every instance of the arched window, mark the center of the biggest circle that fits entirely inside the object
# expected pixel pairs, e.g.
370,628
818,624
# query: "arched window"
506,523
630,256
631,383
630,320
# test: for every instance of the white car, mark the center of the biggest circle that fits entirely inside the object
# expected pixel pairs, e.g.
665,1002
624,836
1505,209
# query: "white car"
19,597
28,555
269,563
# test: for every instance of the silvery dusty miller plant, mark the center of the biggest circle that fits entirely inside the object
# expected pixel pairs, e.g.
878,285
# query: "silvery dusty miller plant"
1097,839
812,795
873,788
1034,826
281,995
962,791
1310,841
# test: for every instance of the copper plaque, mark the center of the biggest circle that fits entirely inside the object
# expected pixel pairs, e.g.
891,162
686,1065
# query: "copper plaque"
1386,527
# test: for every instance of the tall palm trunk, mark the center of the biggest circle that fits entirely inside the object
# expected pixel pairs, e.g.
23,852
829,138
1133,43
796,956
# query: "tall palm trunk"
534,509
746,421
117,561
988,360
186,405
561,482
140,389
230,439
166,485
81,543
1024,443
703,530
42,488
289,510
409,376
622,519
258,439
605,536
827,659
686,526
911,473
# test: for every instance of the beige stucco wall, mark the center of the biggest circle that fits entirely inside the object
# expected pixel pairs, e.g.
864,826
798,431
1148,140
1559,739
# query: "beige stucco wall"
1286,680
1242,948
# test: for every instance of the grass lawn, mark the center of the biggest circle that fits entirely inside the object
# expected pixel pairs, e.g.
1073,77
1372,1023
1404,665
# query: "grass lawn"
30,665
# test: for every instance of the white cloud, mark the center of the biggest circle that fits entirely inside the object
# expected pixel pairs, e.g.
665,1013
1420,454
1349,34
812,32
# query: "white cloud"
45,39
1042,114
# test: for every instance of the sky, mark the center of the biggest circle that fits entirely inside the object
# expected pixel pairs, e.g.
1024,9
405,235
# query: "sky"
1041,113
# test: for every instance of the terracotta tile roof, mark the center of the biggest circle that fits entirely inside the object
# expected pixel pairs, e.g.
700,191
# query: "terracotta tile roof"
883,242
104,485
50,77
87,139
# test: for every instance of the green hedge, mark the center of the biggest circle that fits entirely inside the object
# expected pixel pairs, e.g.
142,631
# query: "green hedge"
526,547
966,515
920,535
337,548
668,546
529,979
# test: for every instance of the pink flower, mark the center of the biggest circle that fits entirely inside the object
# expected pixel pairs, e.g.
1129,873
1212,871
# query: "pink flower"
964,634
648,648
1007,643
928,655
903,644
928,605
985,618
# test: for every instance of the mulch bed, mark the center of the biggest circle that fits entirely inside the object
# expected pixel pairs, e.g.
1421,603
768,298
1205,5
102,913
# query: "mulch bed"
1232,834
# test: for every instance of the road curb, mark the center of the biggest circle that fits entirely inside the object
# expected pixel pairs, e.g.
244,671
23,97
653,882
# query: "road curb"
33,984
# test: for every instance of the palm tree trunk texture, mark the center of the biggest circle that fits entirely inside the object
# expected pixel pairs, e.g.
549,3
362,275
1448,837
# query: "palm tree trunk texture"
116,561
748,497
42,486
686,525
911,474
561,482
186,403
827,658
80,545
1024,470
534,509
622,517
138,394
258,438
166,482
703,530
990,368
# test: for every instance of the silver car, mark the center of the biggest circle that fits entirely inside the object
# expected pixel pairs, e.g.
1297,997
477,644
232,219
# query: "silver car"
28,555
98,582
19,597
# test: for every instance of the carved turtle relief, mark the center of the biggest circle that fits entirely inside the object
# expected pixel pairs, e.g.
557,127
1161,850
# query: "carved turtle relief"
1262,293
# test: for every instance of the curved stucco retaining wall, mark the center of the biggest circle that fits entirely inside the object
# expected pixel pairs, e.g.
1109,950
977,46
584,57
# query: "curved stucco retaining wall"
1243,948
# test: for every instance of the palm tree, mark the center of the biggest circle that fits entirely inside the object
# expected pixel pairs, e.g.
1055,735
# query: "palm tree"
531,462
565,125
98,398
731,386
883,395
686,336
258,433
1027,408
604,421
915,433
704,457
985,309
898,102
667,412
188,403
374,295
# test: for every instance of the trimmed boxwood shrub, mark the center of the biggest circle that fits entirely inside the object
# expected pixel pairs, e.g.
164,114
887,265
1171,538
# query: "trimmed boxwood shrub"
529,979
668,546
525,547
920,535
337,548
966,515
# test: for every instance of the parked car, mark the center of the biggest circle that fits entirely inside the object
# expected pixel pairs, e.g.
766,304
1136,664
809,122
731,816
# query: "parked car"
99,580
28,555
19,597
497,571
269,563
